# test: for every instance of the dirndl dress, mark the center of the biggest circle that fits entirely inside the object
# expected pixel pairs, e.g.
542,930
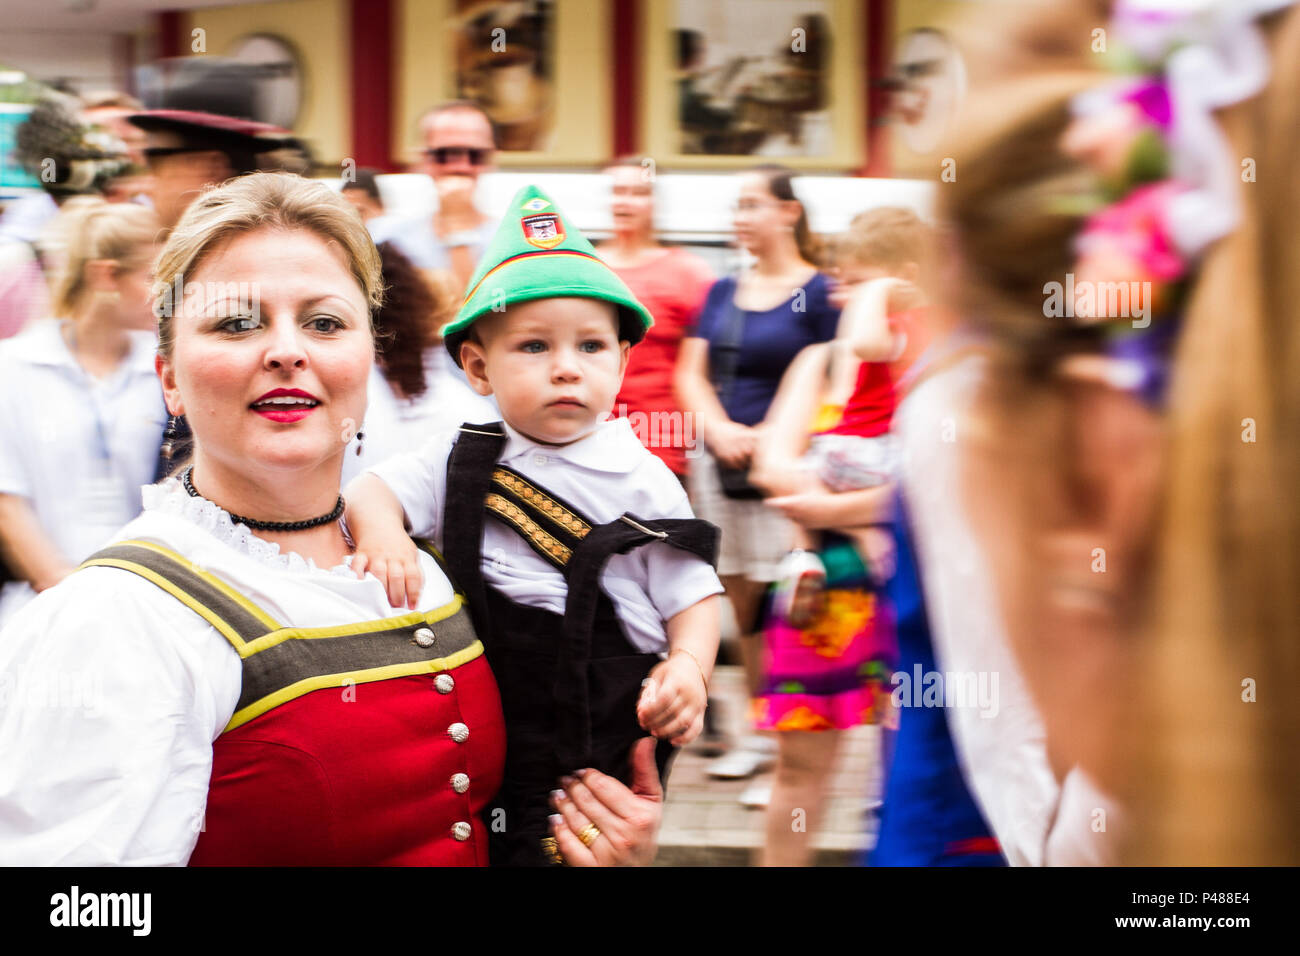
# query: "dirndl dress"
835,673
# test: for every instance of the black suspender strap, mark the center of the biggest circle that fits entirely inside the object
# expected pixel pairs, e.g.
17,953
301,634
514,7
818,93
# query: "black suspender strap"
572,690
469,480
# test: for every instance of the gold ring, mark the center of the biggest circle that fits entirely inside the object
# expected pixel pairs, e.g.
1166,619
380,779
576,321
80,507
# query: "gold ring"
590,833
551,849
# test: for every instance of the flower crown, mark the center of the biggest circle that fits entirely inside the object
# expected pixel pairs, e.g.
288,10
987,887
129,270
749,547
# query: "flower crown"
1166,178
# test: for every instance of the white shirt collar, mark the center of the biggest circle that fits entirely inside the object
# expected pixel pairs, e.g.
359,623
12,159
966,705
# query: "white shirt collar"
42,343
611,447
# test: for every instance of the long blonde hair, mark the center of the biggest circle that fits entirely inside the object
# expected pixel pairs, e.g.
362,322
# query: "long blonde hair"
1202,742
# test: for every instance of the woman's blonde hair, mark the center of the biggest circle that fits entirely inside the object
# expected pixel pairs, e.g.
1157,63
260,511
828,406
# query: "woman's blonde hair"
88,230
1207,723
261,201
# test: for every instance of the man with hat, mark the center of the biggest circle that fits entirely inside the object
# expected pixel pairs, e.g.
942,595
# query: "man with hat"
592,586
203,133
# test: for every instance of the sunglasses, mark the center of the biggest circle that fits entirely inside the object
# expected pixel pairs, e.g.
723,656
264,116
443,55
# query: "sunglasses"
450,154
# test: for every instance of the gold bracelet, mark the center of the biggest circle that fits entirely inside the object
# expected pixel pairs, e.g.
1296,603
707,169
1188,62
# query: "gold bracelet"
699,667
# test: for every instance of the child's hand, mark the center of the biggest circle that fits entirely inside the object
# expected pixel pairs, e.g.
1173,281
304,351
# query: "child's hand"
673,699
395,562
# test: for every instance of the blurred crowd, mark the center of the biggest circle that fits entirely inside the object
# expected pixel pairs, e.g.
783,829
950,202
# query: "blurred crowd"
1050,553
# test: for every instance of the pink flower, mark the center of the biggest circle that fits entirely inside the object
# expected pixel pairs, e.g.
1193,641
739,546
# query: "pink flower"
1134,229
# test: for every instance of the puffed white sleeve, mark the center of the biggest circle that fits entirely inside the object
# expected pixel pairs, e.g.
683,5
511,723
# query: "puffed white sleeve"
111,694
676,579
419,481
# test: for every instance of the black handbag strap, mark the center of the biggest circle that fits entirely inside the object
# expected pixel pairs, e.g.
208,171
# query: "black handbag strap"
726,347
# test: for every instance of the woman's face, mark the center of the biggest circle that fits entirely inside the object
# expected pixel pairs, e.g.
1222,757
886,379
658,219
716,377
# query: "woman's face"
759,216
632,201
272,352
135,302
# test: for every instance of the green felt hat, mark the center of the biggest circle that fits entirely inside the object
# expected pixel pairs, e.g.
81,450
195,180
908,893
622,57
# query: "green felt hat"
537,254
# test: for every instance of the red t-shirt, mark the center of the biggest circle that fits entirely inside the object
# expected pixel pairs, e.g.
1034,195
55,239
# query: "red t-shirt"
672,287
870,410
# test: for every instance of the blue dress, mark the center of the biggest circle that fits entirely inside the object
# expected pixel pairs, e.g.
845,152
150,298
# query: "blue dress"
929,817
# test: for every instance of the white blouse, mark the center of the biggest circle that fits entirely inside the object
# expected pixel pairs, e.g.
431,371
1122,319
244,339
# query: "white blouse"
75,447
1003,751
112,691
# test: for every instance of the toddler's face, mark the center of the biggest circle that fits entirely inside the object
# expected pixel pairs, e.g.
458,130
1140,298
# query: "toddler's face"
554,365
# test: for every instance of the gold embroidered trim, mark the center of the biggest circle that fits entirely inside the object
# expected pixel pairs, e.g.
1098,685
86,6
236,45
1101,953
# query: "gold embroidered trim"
562,516
529,528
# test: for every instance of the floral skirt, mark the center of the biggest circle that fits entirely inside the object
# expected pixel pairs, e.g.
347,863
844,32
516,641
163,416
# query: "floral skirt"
834,674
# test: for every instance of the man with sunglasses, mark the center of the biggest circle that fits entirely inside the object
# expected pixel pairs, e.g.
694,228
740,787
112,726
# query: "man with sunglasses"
459,145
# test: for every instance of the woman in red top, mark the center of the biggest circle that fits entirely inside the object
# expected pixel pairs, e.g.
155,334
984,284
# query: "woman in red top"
671,283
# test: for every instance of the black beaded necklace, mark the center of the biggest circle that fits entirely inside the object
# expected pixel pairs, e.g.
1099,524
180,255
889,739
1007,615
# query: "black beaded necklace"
269,525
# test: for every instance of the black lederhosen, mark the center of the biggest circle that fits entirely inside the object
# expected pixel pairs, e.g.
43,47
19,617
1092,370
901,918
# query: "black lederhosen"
569,683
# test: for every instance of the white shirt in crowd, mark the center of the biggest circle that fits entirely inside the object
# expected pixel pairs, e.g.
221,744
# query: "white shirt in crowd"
416,240
1037,819
76,447
395,425
112,691
604,475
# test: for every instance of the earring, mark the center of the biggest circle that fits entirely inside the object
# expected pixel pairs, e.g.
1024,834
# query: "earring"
360,437
169,438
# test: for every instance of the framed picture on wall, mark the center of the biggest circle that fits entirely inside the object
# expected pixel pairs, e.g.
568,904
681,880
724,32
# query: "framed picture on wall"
504,55
729,82
539,68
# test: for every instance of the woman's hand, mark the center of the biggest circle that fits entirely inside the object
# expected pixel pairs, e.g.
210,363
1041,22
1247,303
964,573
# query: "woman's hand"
627,819
732,444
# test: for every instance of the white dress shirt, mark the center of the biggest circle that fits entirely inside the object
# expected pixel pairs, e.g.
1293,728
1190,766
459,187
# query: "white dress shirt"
76,447
112,691
603,475
1003,754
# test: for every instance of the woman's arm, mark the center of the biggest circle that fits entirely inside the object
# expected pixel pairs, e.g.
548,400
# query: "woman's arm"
785,437
27,549
845,509
732,443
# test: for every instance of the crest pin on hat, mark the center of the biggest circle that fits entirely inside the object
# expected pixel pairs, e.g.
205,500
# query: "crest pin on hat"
536,254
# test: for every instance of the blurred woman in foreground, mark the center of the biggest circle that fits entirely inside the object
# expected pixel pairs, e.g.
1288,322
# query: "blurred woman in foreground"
1142,540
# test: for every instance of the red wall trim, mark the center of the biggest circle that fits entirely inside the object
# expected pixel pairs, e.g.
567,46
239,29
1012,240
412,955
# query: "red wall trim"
371,77
625,47
169,34
878,22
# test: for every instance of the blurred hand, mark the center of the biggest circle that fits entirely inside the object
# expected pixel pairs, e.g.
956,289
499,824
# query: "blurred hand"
733,444
456,202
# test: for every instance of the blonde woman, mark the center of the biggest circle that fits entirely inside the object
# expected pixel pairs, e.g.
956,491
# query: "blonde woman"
81,413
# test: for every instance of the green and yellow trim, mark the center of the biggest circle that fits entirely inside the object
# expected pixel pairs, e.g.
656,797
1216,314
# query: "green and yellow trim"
365,676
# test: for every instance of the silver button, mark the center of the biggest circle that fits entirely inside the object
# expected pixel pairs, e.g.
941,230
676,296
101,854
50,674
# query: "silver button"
424,637
461,830
460,782
458,732
445,683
